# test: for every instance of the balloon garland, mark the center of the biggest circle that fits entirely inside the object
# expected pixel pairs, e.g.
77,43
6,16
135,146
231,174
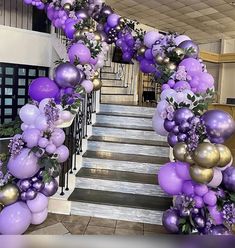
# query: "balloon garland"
202,203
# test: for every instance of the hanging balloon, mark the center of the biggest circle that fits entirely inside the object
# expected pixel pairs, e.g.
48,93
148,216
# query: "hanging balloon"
97,84
201,175
225,155
179,151
9,194
206,155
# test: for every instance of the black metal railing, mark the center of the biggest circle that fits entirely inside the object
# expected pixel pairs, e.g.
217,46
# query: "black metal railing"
74,138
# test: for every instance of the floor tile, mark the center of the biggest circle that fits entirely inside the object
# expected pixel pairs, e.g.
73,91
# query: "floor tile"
57,229
154,228
99,230
130,225
75,228
127,232
83,220
102,222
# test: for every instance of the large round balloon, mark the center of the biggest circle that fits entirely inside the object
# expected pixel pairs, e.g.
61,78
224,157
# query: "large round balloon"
113,20
67,75
191,65
158,125
79,52
43,87
28,114
15,219
24,165
38,204
170,221
31,137
219,125
40,217
169,180
150,38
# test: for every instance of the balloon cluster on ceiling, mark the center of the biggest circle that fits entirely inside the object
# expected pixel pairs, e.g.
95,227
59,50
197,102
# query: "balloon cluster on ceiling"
201,179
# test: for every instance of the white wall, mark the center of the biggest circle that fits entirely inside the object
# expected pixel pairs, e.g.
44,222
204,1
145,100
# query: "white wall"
25,47
214,47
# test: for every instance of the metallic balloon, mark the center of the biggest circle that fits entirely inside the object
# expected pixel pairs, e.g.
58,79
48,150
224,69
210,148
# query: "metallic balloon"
118,28
182,115
91,30
97,74
179,151
122,20
142,50
159,59
106,11
79,35
97,84
206,155
229,178
82,13
225,155
219,230
24,184
199,222
9,194
189,44
50,188
67,7
170,221
179,52
39,185
171,66
67,75
166,60
97,36
188,158
201,175
30,194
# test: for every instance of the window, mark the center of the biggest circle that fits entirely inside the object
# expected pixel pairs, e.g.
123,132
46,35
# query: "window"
14,82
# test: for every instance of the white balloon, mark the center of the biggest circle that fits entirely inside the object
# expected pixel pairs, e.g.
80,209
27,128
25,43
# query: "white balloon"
43,103
41,123
217,179
24,126
28,113
66,115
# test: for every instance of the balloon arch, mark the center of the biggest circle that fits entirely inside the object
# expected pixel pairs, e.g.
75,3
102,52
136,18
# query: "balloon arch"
202,178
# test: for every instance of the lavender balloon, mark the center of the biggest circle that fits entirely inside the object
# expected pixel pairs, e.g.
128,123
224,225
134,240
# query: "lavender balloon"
191,65
113,20
62,153
170,221
39,218
80,52
38,204
50,188
188,44
219,230
31,137
219,125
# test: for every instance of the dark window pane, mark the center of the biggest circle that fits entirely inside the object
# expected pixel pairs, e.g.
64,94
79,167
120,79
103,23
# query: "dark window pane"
22,82
8,91
9,71
32,72
1,70
8,101
7,120
8,111
21,92
21,101
22,71
9,81
0,80
42,73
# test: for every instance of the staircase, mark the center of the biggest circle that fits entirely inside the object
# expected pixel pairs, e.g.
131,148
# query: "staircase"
118,175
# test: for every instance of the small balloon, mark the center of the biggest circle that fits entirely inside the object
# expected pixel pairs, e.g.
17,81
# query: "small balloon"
201,175
179,151
9,194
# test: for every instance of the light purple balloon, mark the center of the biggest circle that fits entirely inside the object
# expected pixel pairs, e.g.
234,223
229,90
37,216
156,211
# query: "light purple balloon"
216,215
113,20
188,188
181,38
199,203
168,179
80,52
41,123
43,87
191,65
28,114
161,106
50,188
38,204
15,219
165,87
67,75
200,189
63,153
181,85
28,1
88,86
39,218
150,38
158,125
168,93
23,165
31,137
51,148
210,198
70,29
43,142
182,170
217,179
171,83
57,137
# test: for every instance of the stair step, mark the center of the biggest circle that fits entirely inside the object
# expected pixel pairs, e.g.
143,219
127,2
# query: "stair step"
128,148
134,201
107,98
136,115
127,133
115,90
136,158
111,82
128,141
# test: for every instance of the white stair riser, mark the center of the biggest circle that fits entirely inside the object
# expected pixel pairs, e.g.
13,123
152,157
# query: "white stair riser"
127,133
107,69
121,187
124,121
127,109
117,165
106,82
128,148
114,90
118,213
117,98
109,75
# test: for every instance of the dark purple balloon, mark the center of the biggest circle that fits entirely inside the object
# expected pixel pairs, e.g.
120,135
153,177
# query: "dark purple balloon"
172,139
23,196
31,194
39,185
219,125
24,184
182,114
190,44
82,14
50,188
199,222
229,178
100,27
106,11
169,125
103,36
175,130
184,127
184,212
219,230
170,221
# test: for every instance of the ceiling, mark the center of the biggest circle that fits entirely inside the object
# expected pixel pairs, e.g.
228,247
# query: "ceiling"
203,20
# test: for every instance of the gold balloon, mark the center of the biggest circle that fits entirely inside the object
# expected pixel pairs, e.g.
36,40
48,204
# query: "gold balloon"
166,60
171,66
201,175
79,35
159,59
9,194
225,155
97,36
179,151
142,50
67,6
118,28
179,52
206,155
97,84
96,74
122,20
188,158
91,30
44,1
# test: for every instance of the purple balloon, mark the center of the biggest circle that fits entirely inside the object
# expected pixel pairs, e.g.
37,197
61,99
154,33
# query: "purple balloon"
113,20
219,125
191,65
182,170
216,215
147,66
39,218
38,204
80,52
43,87
229,178
38,186
67,75
31,137
199,222
182,137
100,27
106,11
188,44
70,29
24,185
63,153
171,83
219,230
165,87
82,14
170,221
15,219
181,38
188,188
169,125
57,137
210,198
31,194
181,85
158,125
24,165
176,130
148,54
182,115
199,203
127,56
200,189
87,85
172,139
184,127
168,179
50,188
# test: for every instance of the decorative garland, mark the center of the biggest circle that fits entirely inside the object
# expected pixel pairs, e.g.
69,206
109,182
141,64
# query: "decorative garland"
201,179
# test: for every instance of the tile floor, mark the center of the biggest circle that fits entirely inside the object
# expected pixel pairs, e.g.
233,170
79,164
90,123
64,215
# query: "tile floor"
80,225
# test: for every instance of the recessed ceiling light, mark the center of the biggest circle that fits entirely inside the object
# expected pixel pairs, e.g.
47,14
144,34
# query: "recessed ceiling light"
232,3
